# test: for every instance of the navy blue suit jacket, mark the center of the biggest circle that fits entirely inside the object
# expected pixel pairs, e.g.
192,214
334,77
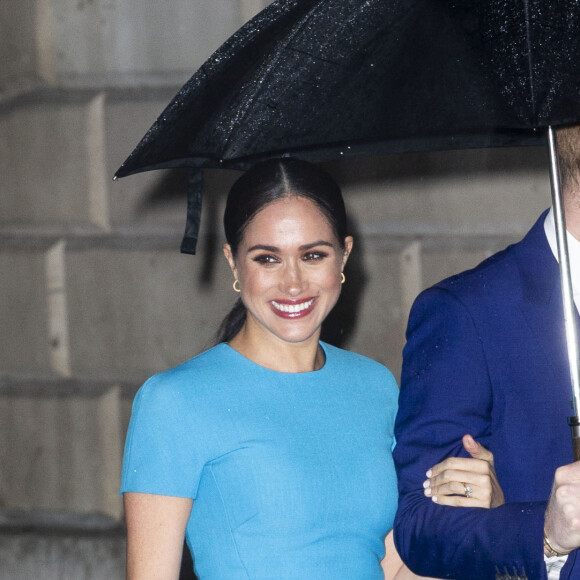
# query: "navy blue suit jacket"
485,355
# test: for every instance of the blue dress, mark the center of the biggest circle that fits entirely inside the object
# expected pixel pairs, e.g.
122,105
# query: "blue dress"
291,474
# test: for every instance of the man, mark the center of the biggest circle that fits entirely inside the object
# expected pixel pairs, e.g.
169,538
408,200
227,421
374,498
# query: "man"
486,355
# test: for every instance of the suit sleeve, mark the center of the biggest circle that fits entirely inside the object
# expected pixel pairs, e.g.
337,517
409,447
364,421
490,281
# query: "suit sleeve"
446,393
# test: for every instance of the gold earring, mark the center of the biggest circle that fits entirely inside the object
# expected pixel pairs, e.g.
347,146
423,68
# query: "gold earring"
236,289
342,278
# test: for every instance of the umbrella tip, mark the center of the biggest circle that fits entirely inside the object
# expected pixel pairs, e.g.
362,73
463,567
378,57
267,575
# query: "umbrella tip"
115,177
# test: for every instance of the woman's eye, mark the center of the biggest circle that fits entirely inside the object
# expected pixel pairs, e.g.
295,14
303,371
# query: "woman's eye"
265,259
314,256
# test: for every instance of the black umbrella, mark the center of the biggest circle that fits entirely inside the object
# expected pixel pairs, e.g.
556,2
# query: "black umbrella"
321,79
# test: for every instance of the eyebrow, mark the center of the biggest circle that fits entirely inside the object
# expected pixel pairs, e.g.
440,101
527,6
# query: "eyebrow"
301,248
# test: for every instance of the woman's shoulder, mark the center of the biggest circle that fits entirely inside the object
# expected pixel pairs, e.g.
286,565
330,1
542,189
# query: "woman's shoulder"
203,369
355,362
360,376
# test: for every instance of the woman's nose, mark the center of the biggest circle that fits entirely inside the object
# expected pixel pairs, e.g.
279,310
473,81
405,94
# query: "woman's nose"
293,281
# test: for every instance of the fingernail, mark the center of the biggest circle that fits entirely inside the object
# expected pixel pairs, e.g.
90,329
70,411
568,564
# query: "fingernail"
434,498
428,491
427,483
429,473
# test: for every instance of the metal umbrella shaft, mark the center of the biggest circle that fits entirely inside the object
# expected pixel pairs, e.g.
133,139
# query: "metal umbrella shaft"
567,294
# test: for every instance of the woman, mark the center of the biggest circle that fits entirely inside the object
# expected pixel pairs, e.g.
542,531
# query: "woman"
271,452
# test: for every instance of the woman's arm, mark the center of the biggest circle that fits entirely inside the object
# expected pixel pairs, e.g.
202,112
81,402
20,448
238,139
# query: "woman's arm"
155,531
446,486
393,567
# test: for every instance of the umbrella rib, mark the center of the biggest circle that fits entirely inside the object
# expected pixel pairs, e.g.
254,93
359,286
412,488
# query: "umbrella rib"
271,65
318,57
530,61
250,99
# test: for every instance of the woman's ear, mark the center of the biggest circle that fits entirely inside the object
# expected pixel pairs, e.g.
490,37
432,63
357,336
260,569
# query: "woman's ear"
348,242
230,258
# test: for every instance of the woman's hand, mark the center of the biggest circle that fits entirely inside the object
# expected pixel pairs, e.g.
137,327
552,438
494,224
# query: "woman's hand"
464,481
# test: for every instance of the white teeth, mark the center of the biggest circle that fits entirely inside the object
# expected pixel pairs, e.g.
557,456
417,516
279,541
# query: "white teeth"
292,308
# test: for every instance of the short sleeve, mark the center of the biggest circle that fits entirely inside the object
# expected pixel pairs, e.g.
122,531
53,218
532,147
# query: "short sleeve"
162,455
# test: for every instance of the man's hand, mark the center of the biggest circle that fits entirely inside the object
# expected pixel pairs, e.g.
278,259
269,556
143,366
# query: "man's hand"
562,522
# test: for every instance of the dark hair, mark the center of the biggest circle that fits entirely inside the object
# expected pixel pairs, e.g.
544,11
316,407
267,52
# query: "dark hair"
263,184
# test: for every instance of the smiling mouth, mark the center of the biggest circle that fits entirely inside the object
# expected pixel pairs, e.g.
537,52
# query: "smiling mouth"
292,308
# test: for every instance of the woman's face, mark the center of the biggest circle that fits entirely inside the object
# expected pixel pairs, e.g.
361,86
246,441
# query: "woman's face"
289,265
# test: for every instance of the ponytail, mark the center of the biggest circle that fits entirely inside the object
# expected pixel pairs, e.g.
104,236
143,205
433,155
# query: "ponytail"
232,323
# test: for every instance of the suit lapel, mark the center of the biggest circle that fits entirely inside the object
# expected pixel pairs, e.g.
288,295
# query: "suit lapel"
541,305
541,302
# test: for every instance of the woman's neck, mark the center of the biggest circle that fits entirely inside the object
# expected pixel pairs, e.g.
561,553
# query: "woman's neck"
279,355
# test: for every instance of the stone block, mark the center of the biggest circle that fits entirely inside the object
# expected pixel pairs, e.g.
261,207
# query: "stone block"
128,116
24,343
472,192
370,306
61,451
443,258
62,556
100,41
19,46
52,162
138,309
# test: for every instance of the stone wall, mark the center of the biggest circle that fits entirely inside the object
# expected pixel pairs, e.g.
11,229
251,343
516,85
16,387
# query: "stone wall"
94,294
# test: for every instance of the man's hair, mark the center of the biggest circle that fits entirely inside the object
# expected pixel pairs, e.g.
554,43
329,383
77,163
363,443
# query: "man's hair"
568,139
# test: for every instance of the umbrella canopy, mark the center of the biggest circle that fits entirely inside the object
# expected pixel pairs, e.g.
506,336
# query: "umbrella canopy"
323,78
